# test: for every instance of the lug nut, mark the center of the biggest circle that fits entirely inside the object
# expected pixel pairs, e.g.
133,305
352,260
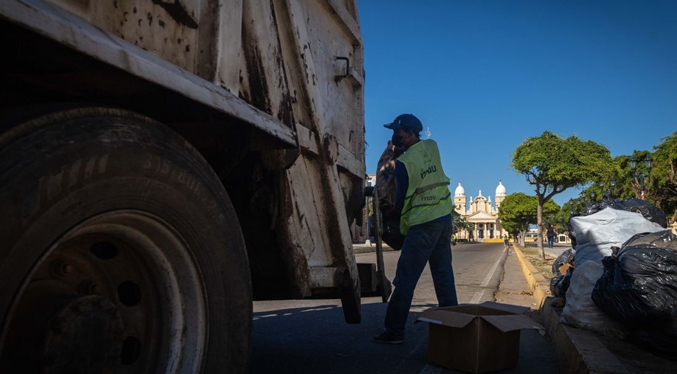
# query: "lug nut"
66,268
61,268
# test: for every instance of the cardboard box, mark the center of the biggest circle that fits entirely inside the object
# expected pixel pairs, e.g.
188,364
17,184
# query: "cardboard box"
476,338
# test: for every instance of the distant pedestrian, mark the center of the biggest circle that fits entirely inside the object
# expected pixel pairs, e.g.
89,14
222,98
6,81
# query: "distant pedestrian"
423,203
551,236
506,242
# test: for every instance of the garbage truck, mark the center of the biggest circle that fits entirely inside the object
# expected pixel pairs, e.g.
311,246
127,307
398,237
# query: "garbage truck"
162,164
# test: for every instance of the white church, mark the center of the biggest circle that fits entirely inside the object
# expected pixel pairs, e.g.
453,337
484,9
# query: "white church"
482,214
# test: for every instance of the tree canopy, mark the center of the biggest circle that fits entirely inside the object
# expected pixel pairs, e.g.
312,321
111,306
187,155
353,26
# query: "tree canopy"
518,211
552,164
660,187
663,183
460,221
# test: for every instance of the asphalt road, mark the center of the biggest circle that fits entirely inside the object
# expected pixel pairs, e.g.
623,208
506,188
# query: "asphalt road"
310,336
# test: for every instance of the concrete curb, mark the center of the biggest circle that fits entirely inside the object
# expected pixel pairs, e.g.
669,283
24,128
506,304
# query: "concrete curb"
538,285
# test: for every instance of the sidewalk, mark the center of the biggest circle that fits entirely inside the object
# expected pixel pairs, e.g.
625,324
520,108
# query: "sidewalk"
537,351
514,288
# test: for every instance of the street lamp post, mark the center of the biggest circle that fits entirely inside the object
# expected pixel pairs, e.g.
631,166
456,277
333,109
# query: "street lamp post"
610,190
641,177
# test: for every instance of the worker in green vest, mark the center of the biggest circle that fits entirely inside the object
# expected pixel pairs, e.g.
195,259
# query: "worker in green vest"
423,202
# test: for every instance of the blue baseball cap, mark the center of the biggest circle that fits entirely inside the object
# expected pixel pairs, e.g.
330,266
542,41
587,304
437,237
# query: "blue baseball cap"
405,121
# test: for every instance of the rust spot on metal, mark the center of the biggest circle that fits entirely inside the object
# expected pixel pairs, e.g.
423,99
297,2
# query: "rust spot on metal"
258,85
286,112
178,12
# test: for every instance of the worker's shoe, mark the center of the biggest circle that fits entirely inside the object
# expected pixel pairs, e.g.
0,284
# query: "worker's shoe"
386,338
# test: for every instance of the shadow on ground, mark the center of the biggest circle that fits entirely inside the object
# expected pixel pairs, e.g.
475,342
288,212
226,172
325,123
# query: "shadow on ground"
316,339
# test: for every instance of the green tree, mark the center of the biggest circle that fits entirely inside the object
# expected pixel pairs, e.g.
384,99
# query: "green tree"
663,183
518,211
553,164
625,184
660,187
461,222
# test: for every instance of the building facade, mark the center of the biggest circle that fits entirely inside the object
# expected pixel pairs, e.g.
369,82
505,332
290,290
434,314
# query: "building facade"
481,213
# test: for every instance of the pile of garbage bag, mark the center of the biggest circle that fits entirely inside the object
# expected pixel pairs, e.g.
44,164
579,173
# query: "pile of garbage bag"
562,269
624,283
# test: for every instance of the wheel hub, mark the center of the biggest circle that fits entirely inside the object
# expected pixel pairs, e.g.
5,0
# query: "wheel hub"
86,336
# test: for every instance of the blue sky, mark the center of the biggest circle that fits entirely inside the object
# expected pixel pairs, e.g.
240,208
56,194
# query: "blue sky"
486,75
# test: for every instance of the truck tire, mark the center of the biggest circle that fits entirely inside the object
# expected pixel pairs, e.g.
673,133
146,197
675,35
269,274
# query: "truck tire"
120,251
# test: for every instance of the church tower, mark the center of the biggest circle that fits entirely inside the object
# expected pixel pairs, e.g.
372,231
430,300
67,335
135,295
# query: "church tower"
459,199
501,193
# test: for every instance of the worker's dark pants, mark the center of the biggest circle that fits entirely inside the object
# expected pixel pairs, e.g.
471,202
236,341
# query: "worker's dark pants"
430,241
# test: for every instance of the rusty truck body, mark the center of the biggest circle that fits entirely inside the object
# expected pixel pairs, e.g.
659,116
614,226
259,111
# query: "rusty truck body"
163,163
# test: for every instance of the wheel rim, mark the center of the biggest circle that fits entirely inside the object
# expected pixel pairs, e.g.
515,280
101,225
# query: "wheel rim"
119,293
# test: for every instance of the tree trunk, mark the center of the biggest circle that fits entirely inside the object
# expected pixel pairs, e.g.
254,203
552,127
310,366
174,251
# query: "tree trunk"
539,225
520,238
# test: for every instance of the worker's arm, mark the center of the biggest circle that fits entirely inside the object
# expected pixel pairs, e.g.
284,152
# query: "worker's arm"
402,179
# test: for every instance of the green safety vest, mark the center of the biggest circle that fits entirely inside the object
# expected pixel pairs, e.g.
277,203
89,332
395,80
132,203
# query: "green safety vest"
428,196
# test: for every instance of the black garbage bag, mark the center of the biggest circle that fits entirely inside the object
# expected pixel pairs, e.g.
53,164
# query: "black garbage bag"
391,233
639,283
658,337
553,284
566,257
563,285
560,284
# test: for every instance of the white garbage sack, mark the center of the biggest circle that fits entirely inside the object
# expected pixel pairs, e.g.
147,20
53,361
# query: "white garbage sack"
597,233
580,311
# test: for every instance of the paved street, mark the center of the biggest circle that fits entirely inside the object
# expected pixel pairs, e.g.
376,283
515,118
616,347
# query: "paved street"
310,336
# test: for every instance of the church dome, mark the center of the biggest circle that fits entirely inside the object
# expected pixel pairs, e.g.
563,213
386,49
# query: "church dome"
460,191
500,190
